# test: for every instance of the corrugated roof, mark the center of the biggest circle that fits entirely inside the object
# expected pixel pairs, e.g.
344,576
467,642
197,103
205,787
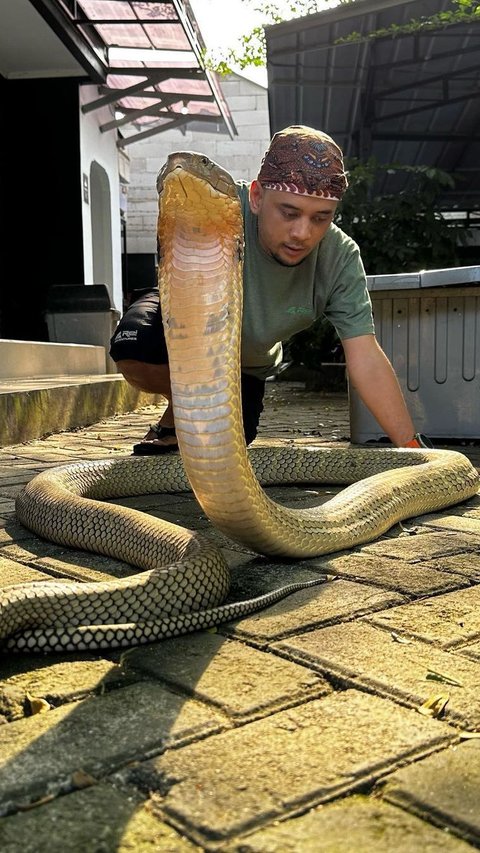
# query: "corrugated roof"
412,99
147,58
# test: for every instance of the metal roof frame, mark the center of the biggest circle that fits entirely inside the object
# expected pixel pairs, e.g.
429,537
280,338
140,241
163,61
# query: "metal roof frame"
170,93
412,98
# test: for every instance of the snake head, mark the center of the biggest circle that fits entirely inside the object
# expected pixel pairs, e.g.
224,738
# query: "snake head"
202,167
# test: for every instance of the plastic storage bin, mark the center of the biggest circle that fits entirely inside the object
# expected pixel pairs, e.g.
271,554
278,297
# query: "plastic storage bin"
82,314
428,324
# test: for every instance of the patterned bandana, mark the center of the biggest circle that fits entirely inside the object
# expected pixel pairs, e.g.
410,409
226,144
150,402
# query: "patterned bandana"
305,161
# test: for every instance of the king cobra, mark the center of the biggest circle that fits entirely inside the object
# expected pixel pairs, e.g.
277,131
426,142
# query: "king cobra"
183,580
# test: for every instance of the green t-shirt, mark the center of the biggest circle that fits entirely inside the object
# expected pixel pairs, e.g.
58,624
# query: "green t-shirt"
279,301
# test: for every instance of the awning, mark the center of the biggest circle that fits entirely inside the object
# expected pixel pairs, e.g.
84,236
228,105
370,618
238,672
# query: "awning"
411,97
147,58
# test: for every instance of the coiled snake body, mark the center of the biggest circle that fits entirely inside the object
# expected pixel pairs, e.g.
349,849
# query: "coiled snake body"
184,578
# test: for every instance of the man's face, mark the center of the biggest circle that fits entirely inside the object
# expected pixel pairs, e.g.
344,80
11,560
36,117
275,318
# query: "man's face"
289,225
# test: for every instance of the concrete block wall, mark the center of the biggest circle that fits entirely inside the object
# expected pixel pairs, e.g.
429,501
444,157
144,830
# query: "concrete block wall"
241,156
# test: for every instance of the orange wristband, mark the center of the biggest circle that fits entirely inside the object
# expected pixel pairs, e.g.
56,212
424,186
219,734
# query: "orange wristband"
414,442
419,440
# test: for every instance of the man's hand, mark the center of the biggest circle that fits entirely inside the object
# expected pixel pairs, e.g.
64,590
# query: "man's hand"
373,377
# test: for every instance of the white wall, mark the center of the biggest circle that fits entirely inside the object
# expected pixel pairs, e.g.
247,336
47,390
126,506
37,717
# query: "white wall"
100,148
241,156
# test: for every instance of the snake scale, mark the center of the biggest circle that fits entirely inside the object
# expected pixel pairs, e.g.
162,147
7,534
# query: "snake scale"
183,579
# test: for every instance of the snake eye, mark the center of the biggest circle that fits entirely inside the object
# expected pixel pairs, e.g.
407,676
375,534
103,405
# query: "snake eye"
205,161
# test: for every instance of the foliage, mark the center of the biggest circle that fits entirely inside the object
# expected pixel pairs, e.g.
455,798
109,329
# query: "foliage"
314,346
400,232
252,47
466,11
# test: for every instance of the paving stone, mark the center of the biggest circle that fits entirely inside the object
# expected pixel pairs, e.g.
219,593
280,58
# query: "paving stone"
14,480
423,546
229,674
350,736
241,779
84,452
353,824
112,821
191,518
12,531
311,608
472,651
257,575
448,620
9,490
12,573
379,661
55,680
84,566
467,565
470,509
30,550
96,736
238,560
47,455
444,787
463,523
399,575
223,542
472,506
16,472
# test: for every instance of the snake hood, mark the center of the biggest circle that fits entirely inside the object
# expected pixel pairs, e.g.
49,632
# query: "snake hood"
200,166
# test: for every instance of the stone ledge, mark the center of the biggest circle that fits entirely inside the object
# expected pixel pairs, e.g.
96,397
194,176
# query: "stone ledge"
40,408
19,358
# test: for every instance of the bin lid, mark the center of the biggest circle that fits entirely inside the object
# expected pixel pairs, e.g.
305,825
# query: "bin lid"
70,298
391,282
425,278
454,275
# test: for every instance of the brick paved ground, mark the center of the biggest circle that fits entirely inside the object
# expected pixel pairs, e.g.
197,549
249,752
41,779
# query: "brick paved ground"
343,718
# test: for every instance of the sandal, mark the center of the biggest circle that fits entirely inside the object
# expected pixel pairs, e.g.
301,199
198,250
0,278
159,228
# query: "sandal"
149,448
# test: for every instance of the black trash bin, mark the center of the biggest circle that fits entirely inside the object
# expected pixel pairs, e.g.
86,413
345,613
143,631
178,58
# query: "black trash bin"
82,314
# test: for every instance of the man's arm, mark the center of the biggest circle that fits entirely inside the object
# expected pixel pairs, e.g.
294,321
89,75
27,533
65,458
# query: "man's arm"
373,377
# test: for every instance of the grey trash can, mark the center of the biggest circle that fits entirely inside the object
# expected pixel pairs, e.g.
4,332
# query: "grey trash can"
428,324
82,314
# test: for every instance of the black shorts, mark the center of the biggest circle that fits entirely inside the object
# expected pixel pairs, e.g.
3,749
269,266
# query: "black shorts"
139,336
